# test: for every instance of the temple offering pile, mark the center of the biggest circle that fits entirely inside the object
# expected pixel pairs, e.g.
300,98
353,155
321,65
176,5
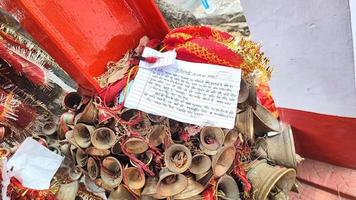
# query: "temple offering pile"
114,152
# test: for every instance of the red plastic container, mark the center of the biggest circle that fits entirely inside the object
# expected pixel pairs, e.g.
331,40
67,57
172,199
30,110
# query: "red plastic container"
83,35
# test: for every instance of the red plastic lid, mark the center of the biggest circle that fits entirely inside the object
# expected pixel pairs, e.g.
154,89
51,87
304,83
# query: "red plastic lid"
83,35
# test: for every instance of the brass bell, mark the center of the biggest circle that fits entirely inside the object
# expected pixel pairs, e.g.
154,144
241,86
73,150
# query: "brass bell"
68,191
49,128
89,115
134,178
135,145
70,138
111,172
247,93
193,188
121,193
145,157
205,178
150,186
170,183
72,101
212,138
55,148
81,157
155,118
129,114
231,137
226,188
156,135
178,158
92,151
223,160
75,173
103,138
279,148
116,149
82,134
265,177
201,163
264,121
93,168
244,123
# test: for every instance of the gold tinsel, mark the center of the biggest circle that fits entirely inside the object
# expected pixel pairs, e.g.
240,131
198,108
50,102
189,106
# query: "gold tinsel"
254,61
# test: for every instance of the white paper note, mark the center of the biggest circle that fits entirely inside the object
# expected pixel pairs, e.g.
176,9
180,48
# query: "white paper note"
34,165
195,93
163,59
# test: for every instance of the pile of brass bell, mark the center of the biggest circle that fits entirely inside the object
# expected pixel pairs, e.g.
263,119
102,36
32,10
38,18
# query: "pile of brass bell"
157,163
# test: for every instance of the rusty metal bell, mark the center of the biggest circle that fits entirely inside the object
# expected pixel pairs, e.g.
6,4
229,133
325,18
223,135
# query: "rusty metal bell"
279,196
142,127
193,188
231,137
70,138
55,148
121,193
155,118
92,151
244,123
204,179
222,161
150,188
212,138
111,171
103,138
170,183
116,149
178,158
226,188
72,101
89,115
264,121
279,148
156,135
49,128
135,145
265,177
206,151
247,93
103,117
81,157
129,114
82,134
201,163
145,157
92,168
68,191
244,91
75,173
134,178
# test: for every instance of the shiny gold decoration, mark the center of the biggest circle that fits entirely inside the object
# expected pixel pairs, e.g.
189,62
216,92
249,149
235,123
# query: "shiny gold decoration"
254,61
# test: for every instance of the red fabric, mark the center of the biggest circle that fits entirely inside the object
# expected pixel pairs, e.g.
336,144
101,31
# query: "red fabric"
264,95
16,191
154,43
108,94
208,194
202,44
205,45
151,59
31,71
